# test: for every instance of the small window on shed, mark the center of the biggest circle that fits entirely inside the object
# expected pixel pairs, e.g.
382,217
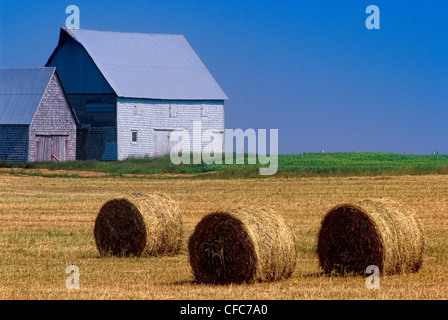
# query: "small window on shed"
134,137
173,110
204,111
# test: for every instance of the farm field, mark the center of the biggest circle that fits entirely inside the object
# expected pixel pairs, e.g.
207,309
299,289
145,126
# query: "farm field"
294,165
46,224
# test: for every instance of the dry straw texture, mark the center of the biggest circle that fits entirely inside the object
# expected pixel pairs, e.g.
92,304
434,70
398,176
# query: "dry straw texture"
379,232
242,246
122,223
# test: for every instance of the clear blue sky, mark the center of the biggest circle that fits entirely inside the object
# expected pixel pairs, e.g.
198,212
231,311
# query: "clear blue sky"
310,69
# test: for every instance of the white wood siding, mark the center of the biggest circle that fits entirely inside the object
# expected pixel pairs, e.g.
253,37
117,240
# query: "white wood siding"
161,115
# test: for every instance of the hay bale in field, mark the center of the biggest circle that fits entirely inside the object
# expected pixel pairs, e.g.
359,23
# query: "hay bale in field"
379,232
148,224
119,229
242,246
164,224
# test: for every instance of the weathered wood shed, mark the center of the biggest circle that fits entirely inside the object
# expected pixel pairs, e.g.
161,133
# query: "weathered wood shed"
37,122
131,90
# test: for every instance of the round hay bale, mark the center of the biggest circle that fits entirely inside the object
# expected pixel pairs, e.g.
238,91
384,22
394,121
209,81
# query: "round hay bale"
148,224
242,246
379,232
164,224
119,229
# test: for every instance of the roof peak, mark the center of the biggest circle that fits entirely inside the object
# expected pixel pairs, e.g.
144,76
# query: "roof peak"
21,90
137,33
147,66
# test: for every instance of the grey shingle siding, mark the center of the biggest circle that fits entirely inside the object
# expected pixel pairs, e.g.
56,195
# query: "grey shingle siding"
13,143
156,116
50,121
53,118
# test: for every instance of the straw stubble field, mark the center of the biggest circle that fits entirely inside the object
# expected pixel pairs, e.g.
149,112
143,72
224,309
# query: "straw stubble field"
47,224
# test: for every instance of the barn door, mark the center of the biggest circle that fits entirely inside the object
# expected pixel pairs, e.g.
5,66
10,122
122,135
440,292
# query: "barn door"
51,148
162,144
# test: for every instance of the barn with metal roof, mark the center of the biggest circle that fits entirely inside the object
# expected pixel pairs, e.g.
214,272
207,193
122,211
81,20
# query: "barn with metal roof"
37,122
131,90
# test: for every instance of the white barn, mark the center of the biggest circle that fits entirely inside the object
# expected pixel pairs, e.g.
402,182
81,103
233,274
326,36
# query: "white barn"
131,90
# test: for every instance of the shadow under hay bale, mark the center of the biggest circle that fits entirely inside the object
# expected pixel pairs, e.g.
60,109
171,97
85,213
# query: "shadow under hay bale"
379,232
242,246
148,224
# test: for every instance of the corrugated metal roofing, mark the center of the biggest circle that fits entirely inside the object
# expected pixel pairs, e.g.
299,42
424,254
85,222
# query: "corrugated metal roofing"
151,66
21,90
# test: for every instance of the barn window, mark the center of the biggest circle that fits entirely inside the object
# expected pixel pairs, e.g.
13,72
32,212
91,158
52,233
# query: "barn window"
138,110
173,110
134,136
204,111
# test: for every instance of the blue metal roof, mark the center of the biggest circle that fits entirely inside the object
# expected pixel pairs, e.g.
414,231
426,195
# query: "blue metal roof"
21,90
152,66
